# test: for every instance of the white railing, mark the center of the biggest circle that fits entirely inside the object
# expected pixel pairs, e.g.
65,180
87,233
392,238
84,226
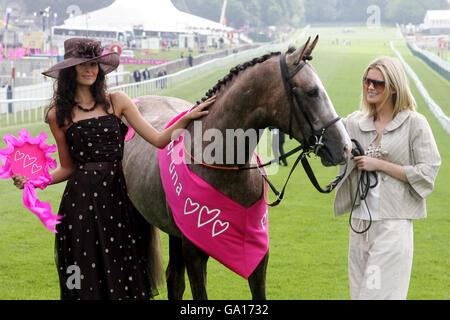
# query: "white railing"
31,109
30,101
434,58
435,109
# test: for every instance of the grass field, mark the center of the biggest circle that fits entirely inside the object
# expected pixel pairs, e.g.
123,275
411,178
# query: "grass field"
308,246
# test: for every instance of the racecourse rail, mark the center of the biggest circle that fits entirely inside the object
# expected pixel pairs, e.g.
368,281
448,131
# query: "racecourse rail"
31,110
435,109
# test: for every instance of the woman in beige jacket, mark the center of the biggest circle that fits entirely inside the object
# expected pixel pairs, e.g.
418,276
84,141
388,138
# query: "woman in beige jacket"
402,156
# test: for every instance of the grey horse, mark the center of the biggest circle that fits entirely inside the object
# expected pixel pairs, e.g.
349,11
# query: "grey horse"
252,95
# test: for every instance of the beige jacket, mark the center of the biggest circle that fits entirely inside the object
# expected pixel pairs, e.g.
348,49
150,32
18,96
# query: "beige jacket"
407,141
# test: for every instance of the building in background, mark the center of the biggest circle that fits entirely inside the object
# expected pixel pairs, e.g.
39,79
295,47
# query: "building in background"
437,22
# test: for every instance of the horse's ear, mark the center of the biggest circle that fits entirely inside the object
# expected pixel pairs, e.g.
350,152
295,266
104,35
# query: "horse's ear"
297,55
312,46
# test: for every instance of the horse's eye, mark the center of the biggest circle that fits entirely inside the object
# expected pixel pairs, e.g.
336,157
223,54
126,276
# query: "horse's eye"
314,93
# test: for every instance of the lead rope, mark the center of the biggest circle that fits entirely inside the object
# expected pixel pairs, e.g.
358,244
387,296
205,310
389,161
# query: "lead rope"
364,185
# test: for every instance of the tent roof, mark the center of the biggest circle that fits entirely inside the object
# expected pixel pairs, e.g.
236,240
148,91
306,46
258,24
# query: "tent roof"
438,15
152,15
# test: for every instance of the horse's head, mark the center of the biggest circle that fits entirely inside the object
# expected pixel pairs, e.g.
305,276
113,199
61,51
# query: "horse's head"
309,115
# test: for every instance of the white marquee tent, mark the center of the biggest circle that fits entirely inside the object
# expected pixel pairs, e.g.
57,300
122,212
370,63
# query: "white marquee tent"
437,21
152,15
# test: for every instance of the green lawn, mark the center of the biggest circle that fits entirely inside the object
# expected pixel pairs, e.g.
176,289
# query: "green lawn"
308,246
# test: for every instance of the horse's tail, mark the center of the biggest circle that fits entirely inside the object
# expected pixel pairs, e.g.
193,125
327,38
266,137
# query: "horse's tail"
154,258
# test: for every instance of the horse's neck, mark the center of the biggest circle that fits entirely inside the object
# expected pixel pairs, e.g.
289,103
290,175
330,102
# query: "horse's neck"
225,129
238,110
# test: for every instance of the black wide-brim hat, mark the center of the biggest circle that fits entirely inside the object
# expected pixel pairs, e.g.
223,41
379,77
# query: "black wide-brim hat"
81,50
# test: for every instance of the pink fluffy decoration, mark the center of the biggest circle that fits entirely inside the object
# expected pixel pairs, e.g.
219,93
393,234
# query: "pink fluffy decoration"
31,157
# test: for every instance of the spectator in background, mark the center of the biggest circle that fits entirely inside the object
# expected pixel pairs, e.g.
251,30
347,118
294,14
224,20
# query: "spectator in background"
164,81
8,94
146,74
278,139
190,60
137,75
158,75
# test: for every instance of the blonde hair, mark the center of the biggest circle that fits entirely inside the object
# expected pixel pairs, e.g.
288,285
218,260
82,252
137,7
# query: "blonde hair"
395,81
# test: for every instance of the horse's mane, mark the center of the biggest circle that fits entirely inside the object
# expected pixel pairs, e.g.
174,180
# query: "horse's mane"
237,69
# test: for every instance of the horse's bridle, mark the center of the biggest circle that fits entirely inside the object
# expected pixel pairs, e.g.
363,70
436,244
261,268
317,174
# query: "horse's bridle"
314,142
309,145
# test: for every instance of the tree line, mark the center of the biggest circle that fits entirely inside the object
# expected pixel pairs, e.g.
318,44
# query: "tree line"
391,11
240,13
252,13
299,12
263,13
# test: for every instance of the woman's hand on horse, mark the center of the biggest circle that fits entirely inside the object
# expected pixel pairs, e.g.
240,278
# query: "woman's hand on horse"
198,111
19,181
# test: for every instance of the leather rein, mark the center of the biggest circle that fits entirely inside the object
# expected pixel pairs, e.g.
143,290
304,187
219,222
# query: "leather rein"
307,146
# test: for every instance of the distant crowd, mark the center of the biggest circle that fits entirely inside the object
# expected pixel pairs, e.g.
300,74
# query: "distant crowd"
145,75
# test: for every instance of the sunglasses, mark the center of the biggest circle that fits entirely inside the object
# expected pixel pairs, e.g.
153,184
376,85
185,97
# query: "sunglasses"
377,84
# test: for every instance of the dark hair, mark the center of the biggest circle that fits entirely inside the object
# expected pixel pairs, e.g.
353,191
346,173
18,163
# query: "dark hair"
64,94
235,71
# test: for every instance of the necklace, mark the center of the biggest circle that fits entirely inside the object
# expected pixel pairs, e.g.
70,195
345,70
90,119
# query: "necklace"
88,109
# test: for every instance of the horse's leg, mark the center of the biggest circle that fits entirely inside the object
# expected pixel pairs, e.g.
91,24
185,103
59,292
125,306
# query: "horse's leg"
175,270
195,260
257,280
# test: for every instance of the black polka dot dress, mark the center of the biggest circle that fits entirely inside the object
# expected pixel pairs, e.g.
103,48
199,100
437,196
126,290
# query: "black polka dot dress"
100,248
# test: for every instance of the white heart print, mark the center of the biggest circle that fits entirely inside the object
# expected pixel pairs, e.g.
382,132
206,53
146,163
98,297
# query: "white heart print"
188,206
208,212
223,226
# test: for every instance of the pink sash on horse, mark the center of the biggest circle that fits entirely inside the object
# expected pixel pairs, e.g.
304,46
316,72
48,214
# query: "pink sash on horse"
238,237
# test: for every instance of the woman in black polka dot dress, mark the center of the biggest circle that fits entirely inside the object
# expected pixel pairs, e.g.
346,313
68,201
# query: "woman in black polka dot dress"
103,243
101,232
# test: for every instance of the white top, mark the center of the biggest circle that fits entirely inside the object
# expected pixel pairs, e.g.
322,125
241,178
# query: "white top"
373,196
